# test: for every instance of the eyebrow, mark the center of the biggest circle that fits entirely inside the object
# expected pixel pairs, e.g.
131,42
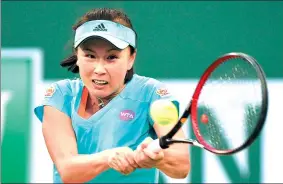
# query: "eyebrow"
88,49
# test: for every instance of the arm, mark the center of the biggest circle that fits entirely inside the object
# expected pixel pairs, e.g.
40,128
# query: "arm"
176,161
173,161
62,147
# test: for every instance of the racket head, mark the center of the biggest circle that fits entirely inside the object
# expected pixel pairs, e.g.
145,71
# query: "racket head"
213,135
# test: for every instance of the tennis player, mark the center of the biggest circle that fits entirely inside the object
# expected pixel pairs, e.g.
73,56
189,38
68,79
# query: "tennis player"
97,128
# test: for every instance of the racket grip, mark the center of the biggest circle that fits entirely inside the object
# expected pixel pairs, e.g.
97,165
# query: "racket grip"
154,146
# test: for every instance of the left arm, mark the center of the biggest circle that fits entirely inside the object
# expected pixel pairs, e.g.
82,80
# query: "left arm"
173,161
176,161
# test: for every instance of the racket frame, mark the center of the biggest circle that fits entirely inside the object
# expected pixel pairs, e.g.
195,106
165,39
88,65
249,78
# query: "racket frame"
191,109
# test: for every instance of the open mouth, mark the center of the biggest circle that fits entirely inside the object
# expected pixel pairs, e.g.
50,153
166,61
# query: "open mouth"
99,82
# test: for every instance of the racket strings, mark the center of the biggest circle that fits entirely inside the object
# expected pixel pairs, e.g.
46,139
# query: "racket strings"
231,100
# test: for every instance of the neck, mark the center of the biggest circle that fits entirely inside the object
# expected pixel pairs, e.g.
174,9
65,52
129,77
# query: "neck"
101,102
96,101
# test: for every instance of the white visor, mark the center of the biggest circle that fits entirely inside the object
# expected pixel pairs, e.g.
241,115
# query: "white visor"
119,35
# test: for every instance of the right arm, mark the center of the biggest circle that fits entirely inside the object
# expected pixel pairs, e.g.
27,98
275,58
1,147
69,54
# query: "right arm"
61,143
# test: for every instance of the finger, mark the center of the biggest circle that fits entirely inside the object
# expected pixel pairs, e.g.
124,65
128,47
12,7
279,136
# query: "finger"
144,143
148,140
143,160
137,158
125,165
130,158
147,161
141,147
138,148
121,163
112,164
130,170
154,155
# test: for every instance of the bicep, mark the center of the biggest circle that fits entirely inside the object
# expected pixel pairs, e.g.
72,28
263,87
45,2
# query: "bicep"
58,134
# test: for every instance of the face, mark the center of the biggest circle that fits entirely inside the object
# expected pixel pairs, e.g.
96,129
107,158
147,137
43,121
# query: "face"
103,67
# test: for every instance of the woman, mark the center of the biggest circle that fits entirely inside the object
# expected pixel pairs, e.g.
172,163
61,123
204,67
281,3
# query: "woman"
97,128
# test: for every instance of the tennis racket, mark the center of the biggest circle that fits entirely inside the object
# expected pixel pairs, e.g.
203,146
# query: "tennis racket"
228,107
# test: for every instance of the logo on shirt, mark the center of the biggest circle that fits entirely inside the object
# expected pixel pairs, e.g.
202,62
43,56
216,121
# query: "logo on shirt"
50,91
162,92
127,115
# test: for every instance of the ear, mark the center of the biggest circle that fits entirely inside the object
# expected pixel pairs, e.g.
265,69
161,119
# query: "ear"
132,60
76,53
78,62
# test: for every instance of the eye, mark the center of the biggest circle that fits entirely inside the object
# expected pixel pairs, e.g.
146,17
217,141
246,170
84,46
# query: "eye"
112,57
89,56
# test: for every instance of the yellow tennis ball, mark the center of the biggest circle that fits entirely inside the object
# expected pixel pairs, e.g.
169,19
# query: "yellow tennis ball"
164,112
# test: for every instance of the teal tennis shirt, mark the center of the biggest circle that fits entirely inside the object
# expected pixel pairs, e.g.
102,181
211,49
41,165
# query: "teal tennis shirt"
124,121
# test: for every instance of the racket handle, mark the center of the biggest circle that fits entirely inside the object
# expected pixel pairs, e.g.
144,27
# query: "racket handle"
154,146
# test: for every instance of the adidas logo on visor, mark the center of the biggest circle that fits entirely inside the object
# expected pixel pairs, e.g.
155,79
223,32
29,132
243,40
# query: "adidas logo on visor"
100,27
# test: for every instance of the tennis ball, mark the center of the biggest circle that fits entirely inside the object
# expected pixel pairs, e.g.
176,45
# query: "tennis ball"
164,112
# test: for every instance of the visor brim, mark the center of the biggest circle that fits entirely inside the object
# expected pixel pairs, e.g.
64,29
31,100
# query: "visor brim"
115,41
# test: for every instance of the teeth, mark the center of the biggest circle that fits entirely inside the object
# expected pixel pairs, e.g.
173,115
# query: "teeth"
100,82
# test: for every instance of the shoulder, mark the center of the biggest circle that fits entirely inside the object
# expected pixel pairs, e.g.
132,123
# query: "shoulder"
142,88
144,81
60,95
66,86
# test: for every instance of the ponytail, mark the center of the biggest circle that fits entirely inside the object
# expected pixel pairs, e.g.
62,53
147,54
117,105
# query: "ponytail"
71,64
129,75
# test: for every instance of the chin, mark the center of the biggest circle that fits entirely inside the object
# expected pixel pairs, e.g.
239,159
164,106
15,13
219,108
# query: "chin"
101,93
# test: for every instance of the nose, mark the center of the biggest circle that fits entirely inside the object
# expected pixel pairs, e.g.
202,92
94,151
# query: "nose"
99,68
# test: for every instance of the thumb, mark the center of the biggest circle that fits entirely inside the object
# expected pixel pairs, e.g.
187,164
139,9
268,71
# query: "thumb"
144,143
